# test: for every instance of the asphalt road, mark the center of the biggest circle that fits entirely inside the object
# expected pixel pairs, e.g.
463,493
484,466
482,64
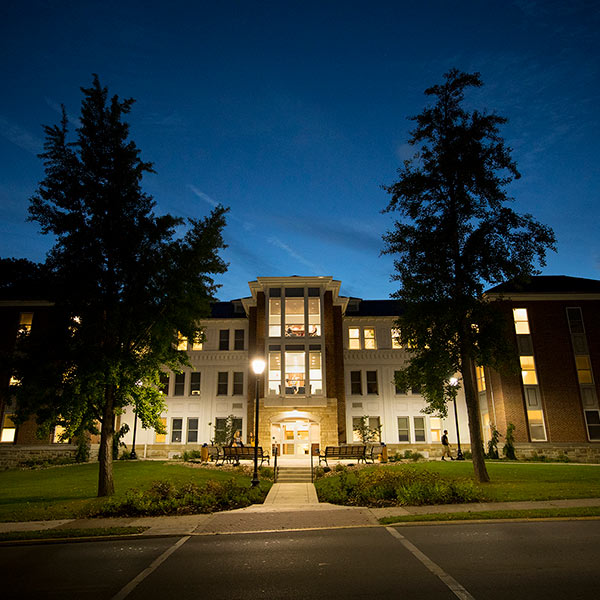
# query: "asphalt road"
484,561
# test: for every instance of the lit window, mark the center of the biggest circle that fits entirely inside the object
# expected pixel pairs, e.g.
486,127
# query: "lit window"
584,369
521,321
238,383
176,430
480,379
197,343
419,423
314,317
222,378
536,425
295,373
9,429
372,382
274,373
294,317
316,372
373,431
192,431
181,342
528,370
369,338
396,339
161,438
195,384
274,317
58,437
435,426
179,386
354,338
25,321
403,429
238,341
14,381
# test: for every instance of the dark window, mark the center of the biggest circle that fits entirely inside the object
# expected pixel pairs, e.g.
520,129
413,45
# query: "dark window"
224,339
222,384
176,430
416,389
179,387
238,342
164,383
192,431
399,390
575,320
355,383
372,382
238,383
593,424
195,384
419,429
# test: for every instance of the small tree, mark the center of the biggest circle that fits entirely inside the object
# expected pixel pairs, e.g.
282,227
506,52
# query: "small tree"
493,443
127,284
367,433
456,235
225,430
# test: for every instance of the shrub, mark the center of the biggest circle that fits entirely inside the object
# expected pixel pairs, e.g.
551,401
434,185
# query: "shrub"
191,455
410,455
167,498
83,448
392,487
509,447
493,443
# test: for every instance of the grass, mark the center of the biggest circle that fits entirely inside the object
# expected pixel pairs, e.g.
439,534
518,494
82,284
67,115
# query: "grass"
62,534
531,513
509,481
70,492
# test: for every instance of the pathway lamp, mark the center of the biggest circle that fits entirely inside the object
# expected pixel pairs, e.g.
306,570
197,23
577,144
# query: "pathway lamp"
454,391
258,366
133,455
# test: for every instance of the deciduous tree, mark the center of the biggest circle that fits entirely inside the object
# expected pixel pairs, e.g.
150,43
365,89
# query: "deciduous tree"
457,234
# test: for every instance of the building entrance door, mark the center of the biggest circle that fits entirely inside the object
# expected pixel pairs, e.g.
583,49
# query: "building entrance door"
294,437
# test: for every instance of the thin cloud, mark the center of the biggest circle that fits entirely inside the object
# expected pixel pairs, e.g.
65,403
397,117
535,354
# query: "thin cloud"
20,137
279,244
203,196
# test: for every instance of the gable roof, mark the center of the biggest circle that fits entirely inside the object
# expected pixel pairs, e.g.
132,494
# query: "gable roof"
548,284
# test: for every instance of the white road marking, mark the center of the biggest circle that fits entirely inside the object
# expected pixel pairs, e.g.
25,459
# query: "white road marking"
458,590
125,591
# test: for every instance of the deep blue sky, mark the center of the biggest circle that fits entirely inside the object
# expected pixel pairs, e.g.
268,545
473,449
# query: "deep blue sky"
293,113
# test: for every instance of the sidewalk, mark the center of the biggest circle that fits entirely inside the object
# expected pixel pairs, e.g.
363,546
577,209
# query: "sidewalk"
288,506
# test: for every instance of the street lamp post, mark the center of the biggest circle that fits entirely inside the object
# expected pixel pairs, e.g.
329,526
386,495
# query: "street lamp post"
454,384
258,366
133,455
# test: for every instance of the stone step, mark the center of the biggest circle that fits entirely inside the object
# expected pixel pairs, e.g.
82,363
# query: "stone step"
293,475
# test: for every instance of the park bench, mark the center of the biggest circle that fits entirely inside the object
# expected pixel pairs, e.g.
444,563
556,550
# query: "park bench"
352,452
233,454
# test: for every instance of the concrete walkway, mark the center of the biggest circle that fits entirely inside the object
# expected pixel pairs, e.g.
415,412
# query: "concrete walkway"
288,506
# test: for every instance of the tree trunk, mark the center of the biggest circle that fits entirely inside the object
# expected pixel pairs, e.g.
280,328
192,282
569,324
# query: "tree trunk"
106,483
472,401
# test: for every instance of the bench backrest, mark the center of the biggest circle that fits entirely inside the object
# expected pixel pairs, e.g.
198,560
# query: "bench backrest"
241,451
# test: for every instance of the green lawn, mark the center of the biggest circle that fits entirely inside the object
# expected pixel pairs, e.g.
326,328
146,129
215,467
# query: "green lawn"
528,481
68,492
510,481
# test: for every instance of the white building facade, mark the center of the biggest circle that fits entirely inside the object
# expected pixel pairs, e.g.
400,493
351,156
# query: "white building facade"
330,363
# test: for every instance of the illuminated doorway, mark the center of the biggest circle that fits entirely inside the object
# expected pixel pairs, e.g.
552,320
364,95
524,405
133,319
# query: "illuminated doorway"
295,437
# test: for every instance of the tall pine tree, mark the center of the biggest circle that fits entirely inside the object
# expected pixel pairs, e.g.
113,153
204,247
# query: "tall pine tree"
456,235
123,282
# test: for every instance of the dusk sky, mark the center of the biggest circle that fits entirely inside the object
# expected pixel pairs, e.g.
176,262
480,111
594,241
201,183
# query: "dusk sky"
294,113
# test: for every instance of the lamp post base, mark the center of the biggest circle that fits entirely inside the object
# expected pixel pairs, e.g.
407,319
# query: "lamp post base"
459,455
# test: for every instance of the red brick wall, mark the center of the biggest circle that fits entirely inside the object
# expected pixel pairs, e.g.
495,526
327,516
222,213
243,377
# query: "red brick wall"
334,360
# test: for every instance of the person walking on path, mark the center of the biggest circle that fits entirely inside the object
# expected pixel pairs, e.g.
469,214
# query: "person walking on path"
446,446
